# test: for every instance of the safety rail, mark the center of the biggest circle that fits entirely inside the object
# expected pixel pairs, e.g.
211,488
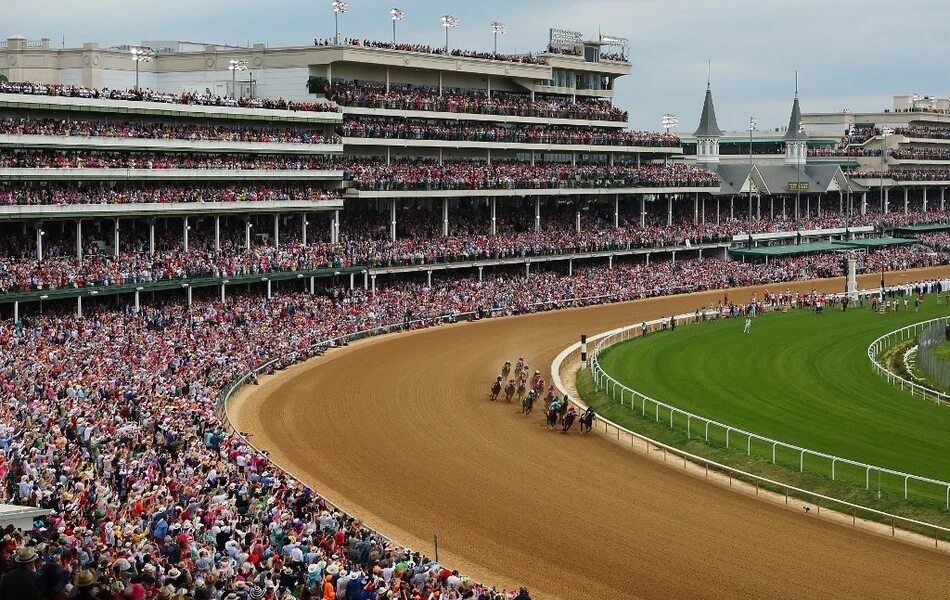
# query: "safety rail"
886,341
610,386
573,352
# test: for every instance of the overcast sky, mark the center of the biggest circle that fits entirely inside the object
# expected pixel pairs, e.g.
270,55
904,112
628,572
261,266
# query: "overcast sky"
850,53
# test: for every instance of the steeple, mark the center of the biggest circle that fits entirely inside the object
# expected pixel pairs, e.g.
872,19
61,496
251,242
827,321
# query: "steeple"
708,132
796,140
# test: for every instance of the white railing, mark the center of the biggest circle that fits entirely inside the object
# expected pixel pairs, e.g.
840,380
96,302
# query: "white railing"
573,352
604,382
886,341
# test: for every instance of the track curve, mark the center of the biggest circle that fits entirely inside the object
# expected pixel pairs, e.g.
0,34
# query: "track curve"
399,432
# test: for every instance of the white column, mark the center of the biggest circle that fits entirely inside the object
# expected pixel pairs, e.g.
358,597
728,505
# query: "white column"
79,306
695,208
313,284
702,211
669,210
570,267
223,298
269,289
137,304
537,214
247,234
527,269
116,239
758,207
577,217
480,273
392,219
864,203
373,277
942,190
365,280
494,215
887,200
303,228
906,200
39,240
188,293
16,311
732,212
925,200
184,233
643,211
276,231
352,280
445,217
610,262
217,233
717,210
429,277
336,227
78,238
617,210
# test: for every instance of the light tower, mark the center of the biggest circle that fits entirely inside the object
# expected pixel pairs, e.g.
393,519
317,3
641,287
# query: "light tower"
497,29
235,65
338,7
397,15
140,55
448,22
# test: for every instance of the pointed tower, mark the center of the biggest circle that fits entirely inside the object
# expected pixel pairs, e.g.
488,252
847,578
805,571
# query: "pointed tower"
796,140
708,133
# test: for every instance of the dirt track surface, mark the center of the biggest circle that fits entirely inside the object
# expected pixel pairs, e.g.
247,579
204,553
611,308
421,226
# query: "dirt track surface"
399,432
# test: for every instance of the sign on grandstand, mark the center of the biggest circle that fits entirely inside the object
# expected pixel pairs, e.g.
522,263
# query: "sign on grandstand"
798,186
612,40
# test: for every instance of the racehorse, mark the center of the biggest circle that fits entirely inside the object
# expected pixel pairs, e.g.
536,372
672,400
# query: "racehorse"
535,378
587,420
510,390
527,404
522,387
568,419
495,390
550,397
519,366
562,408
551,415
506,369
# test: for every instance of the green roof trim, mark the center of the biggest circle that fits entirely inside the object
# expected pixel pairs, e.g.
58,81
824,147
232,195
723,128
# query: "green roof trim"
788,250
877,242
923,228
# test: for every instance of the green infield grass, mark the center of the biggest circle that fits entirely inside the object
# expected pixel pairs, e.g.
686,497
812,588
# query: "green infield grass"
800,378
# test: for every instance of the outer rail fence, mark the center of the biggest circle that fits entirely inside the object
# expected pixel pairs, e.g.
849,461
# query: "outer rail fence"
573,352
936,368
618,391
886,341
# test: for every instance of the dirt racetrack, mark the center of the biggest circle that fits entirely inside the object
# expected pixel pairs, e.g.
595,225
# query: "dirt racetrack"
399,432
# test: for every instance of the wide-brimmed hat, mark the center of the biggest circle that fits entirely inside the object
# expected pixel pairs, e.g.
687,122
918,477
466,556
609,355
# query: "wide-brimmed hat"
240,586
333,569
255,593
166,592
86,579
173,573
26,555
313,568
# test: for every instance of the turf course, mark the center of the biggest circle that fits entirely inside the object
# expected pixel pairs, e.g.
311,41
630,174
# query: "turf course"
800,378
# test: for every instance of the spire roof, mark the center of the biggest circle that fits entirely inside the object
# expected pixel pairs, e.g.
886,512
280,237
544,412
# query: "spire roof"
707,121
795,119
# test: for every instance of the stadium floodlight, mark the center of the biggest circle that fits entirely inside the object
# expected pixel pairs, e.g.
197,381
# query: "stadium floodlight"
670,122
448,22
397,15
235,65
140,55
885,131
498,29
338,7
753,126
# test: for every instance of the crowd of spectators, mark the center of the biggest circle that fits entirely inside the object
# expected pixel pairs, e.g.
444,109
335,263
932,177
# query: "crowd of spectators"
527,59
133,193
938,133
93,159
406,175
160,131
925,153
370,94
904,174
110,421
418,129
146,95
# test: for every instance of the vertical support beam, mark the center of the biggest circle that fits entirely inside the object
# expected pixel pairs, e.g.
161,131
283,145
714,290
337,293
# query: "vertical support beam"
527,269
115,240
79,307
276,230
188,293
223,297
480,274
669,210
617,210
336,226
78,238
494,216
313,284
577,217
303,229
758,207
537,214
39,239
429,278
365,280
906,200
137,304
925,199
887,200
247,233
864,203
16,311
717,210
732,208
184,233
643,211
392,218
217,233
352,280
270,289
445,217
702,211
610,262
570,267
695,208
942,204
374,283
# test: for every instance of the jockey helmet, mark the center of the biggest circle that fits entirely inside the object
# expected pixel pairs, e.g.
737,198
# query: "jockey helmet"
512,380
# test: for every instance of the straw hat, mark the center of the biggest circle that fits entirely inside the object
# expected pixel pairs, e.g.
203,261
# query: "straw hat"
86,579
26,555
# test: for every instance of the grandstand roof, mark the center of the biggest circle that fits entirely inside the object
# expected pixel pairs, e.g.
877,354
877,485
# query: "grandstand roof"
923,228
769,180
878,242
790,250
707,121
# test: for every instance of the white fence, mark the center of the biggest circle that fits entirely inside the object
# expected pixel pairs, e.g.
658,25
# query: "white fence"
573,352
630,397
897,336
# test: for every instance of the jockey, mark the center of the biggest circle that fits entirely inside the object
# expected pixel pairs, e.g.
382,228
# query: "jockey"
555,405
